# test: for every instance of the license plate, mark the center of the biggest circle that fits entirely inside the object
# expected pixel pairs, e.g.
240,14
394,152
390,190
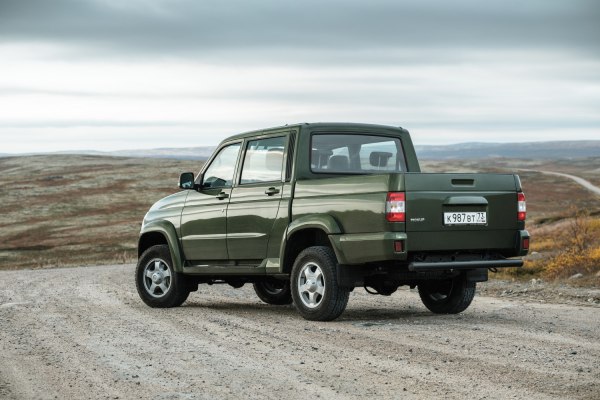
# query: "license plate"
465,218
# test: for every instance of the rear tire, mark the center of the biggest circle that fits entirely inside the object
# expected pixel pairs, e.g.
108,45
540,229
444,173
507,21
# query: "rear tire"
315,290
157,283
274,291
450,296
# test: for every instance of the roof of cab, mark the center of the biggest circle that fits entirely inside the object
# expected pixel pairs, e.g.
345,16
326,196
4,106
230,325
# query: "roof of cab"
348,127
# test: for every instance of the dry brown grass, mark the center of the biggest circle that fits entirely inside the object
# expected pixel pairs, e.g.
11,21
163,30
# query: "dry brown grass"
579,248
78,210
562,249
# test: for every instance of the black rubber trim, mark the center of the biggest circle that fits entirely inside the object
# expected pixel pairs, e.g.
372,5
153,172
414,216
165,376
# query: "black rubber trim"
447,265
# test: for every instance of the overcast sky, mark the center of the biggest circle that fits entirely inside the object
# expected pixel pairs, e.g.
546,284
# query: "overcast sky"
113,74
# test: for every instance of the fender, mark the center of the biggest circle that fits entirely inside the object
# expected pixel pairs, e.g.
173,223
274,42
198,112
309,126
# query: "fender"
324,222
168,231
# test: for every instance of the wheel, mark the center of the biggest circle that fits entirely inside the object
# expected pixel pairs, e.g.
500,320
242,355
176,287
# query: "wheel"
274,291
315,290
450,296
157,282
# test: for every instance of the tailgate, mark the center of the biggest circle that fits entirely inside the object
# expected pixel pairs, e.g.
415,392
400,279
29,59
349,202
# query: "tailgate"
465,211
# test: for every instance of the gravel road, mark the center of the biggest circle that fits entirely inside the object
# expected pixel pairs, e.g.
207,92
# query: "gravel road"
83,333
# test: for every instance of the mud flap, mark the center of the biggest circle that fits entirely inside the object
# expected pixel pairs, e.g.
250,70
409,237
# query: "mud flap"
350,276
477,275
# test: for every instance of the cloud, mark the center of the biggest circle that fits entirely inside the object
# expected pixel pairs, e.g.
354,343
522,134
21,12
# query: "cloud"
332,31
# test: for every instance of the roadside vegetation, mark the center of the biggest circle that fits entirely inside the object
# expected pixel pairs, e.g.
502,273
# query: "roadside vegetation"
563,248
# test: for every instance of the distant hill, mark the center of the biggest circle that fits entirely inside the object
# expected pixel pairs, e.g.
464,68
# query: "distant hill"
554,150
473,150
193,153
188,153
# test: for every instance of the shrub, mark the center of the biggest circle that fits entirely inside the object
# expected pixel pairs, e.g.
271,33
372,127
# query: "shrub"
573,261
579,229
580,248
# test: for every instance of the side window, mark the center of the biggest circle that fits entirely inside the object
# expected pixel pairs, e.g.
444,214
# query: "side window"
263,161
220,171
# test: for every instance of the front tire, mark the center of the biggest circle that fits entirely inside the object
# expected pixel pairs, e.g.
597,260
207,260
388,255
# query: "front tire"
450,296
315,290
157,283
274,291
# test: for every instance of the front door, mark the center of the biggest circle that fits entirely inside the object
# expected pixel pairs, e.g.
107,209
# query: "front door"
203,220
255,200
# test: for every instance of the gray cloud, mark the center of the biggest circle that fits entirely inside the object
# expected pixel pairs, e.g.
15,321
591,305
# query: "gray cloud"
481,125
51,124
330,30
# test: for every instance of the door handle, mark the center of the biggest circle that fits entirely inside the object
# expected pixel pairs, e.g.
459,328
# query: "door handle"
271,191
222,196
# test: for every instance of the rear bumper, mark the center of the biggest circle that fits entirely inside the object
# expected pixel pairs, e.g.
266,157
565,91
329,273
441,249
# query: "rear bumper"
507,241
452,265
360,248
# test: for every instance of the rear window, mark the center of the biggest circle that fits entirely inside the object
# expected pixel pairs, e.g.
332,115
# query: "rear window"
355,154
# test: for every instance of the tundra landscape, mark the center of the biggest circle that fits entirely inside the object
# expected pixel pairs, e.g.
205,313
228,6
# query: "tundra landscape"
74,327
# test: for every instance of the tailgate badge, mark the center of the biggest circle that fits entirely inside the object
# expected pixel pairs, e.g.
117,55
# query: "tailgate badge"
420,219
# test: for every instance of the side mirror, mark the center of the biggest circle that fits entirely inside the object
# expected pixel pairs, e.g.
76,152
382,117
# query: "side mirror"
186,180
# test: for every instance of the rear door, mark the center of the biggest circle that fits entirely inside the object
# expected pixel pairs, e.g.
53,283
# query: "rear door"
256,197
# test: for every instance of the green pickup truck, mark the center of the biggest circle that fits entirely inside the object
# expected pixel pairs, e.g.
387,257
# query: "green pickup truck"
308,212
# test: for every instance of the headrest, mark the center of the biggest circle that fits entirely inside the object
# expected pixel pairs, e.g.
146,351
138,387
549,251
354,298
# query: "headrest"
338,163
379,158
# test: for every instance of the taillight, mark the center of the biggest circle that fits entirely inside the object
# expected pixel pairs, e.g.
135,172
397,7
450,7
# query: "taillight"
395,207
521,207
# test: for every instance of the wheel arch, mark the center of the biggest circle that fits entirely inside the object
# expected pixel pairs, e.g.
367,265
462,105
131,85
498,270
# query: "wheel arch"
161,232
304,232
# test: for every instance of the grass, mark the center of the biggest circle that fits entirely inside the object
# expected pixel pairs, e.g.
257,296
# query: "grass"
67,210
562,249
78,210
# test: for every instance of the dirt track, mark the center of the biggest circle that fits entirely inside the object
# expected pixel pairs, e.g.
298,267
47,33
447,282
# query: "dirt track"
83,333
582,182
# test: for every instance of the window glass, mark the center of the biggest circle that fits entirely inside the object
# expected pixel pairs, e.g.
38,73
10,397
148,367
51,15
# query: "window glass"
356,154
220,171
263,161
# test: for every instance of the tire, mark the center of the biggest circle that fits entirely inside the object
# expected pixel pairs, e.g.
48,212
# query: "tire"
274,291
315,290
157,283
450,296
